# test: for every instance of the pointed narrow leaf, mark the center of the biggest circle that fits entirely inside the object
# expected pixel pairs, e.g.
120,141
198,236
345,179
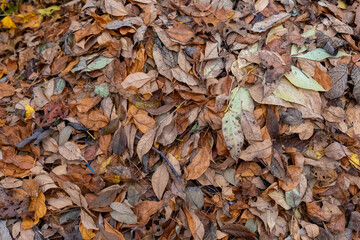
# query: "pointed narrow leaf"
98,63
320,54
302,80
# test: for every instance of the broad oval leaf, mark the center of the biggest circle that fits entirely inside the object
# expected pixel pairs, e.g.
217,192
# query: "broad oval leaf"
137,80
102,90
70,151
123,213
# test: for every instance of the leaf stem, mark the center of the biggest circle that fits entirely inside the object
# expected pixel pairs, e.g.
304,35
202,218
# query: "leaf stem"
166,159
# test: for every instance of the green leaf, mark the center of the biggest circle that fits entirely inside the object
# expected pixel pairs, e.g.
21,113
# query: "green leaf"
320,54
310,32
295,50
82,63
293,198
303,80
98,63
102,90
286,91
60,85
48,11
241,99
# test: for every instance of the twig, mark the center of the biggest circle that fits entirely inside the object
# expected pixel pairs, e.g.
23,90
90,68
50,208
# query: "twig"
166,159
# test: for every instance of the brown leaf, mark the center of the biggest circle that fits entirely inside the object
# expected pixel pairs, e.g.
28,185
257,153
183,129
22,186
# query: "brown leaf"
184,77
238,230
257,150
146,142
145,209
199,164
196,227
337,223
21,161
270,22
141,119
250,127
159,180
180,32
115,8
93,120
119,142
109,229
136,80
85,104
6,90
323,78
70,151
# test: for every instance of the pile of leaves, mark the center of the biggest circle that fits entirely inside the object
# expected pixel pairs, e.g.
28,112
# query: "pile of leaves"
180,119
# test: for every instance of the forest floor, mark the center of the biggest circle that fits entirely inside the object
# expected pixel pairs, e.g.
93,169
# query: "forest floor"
179,119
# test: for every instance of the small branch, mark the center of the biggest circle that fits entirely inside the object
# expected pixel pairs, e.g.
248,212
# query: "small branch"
166,159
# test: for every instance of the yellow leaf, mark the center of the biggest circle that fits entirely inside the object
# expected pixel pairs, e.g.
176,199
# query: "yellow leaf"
341,4
3,5
7,22
104,164
86,233
48,11
354,160
28,111
320,154
36,206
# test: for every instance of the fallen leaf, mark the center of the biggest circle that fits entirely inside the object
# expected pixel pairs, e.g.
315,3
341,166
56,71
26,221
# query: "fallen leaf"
159,180
195,225
115,8
37,208
270,22
339,78
70,151
143,210
199,164
257,150
123,213
136,80
303,80
6,90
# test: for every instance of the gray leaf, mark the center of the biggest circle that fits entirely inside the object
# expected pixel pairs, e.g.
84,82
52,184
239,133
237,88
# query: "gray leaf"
339,77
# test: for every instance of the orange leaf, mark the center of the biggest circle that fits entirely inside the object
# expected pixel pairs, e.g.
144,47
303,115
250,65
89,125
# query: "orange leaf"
199,164
38,208
86,233
6,90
